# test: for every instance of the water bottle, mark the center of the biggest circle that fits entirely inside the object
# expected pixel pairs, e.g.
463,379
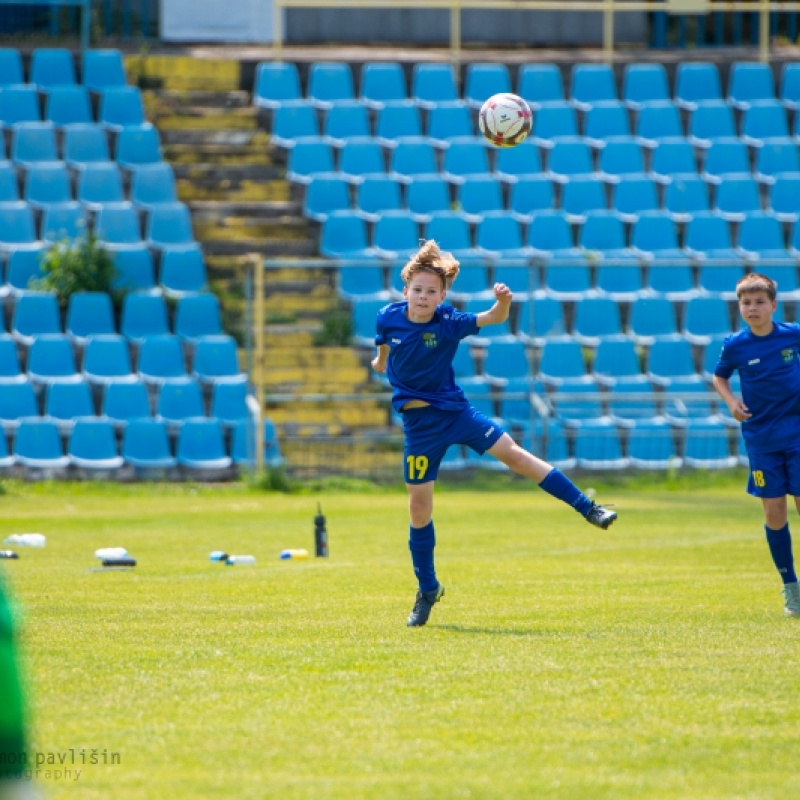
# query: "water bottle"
240,561
26,539
8,554
119,561
111,552
320,534
217,555
293,554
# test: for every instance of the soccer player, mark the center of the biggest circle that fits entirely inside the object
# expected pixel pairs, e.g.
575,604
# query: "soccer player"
765,353
417,340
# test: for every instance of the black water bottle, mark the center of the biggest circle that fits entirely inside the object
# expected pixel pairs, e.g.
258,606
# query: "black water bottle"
320,534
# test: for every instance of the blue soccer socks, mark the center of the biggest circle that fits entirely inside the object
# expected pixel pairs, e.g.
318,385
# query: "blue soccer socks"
421,543
780,545
561,487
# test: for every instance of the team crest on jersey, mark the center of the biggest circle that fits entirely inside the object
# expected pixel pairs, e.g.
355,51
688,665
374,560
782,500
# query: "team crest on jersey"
787,354
429,339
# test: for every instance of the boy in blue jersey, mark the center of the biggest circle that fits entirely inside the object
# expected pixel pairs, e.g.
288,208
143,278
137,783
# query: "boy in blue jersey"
765,353
417,340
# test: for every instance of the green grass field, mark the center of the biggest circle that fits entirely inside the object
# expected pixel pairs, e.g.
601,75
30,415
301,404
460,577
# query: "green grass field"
649,661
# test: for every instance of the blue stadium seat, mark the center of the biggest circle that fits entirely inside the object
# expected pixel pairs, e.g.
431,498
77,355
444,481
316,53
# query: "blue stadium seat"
65,402
325,193
651,445
548,437
107,361
9,188
47,183
447,121
540,319
93,446
432,84
363,316
427,194
671,275
51,360
632,401
707,445
84,144
622,156
726,157
669,359
413,157
161,359
540,83
197,315
117,225
599,447
686,196
708,238
737,196
10,67
516,406
465,156
596,318
35,314
711,120
216,360
33,142
790,86
292,120
137,145
120,106
67,105
530,195
785,197
696,82
673,158
243,443
480,398
604,120
569,158
125,402
552,121
17,402
381,83
145,445
10,372
749,82
705,317
17,229
483,81
521,276
135,270
575,405
344,120
275,83
361,156
182,271
37,446
451,230
143,315
657,121
344,235
310,157
377,194
178,401
169,224
361,281
712,350
615,360
479,194
506,360
102,68
603,233
644,83
655,233
51,66
99,183
396,235
652,318
775,157
397,119
329,82
499,237
581,195
229,403
517,163
60,221
634,195
201,447
590,84
764,120
762,246
89,314
24,266
152,185
19,103
562,361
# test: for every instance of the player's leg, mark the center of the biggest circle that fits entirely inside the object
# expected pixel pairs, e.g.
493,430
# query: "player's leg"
552,480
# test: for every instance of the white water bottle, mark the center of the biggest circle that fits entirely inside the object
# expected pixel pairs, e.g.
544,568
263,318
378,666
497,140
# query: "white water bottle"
111,552
26,539
240,561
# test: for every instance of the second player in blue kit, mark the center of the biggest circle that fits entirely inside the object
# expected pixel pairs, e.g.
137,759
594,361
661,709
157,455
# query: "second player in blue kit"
417,340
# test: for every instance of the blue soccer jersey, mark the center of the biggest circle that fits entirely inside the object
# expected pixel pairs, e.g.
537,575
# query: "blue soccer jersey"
770,373
422,353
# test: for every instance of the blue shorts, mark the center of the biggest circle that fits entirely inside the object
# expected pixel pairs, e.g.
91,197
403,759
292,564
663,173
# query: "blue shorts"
774,474
430,431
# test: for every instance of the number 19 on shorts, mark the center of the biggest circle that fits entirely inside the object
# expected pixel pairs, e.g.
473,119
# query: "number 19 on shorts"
417,467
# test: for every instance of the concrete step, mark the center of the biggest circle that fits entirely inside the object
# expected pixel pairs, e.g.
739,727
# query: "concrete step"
217,154
211,119
183,73
179,100
236,189
264,247
201,137
232,228
350,415
314,357
228,172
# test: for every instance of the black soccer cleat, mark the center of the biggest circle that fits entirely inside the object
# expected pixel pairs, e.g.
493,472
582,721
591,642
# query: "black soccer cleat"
600,517
423,605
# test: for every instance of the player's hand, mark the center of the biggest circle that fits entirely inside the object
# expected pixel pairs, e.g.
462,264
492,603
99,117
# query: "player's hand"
378,365
740,411
502,293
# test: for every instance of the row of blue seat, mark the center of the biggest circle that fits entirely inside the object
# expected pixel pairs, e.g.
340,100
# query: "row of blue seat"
277,83
50,67
81,144
92,446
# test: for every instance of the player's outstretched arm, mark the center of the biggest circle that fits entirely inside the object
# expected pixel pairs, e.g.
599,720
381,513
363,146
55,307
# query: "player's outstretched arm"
380,360
738,409
498,313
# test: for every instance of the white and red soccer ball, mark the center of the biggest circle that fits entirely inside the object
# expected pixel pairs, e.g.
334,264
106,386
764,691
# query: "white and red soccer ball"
505,120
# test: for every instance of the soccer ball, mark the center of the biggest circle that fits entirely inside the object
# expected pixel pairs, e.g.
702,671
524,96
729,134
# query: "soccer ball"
505,120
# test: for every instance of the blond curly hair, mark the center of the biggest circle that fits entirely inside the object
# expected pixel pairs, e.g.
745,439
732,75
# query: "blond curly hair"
429,258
